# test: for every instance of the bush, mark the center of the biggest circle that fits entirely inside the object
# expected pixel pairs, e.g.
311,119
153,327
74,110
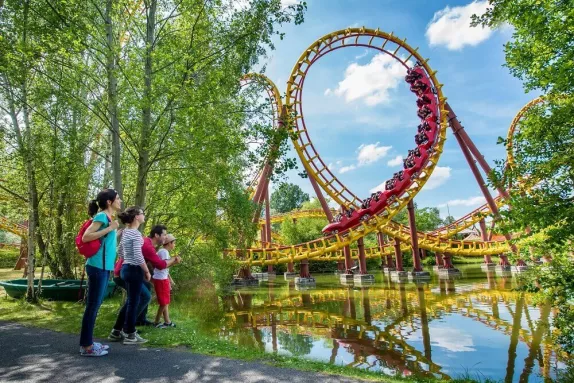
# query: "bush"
8,256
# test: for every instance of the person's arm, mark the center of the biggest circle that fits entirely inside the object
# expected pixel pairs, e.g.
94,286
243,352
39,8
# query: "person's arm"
139,258
151,256
94,232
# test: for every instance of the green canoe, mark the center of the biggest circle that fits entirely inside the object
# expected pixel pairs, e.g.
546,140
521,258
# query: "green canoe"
52,289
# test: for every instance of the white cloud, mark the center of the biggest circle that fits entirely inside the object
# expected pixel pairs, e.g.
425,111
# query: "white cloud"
371,82
472,201
438,177
395,161
450,27
451,339
328,91
346,169
371,153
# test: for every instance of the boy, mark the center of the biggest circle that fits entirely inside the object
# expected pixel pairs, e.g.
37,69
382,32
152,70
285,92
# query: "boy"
162,283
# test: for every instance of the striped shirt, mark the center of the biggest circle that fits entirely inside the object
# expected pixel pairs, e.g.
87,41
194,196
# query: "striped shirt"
131,245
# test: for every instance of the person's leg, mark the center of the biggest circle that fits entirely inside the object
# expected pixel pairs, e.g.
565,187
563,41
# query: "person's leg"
165,301
159,314
122,313
166,314
145,298
97,285
142,316
134,282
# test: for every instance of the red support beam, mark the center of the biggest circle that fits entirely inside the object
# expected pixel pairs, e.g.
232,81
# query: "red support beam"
321,199
447,261
472,147
348,259
414,237
457,128
438,259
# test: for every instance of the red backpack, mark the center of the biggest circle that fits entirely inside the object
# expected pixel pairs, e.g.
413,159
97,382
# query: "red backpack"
90,248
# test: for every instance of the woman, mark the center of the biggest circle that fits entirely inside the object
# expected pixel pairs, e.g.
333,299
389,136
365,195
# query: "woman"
134,270
99,266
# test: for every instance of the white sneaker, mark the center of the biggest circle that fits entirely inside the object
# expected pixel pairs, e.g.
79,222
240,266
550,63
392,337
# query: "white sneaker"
134,338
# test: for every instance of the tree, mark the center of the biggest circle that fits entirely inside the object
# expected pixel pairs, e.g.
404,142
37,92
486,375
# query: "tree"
540,54
89,88
288,197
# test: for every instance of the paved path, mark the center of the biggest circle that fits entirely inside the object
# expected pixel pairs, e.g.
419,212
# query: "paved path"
30,354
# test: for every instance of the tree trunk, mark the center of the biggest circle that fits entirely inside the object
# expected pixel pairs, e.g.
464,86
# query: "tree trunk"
145,133
111,59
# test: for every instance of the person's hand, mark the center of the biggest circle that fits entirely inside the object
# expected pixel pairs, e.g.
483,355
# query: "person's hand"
177,260
172,285
147,276
114,225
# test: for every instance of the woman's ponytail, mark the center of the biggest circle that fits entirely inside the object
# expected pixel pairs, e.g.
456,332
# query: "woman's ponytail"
93,208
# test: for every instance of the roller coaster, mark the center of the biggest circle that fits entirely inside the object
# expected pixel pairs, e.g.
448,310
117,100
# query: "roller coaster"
374,214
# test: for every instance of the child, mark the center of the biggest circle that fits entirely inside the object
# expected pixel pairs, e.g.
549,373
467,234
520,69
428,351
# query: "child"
162,283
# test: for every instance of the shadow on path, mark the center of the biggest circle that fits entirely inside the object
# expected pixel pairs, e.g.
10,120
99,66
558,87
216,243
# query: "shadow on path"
30,354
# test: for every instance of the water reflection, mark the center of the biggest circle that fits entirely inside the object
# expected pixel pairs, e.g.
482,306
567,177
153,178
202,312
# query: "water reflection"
444,328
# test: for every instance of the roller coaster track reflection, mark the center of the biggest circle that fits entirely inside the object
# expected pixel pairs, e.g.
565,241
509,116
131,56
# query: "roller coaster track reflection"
389,318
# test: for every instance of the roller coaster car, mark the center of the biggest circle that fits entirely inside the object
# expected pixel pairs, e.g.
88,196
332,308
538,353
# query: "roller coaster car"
424,112
428,100
376,202
349,219
401,181
414,163
414,74
421,139
422,86
429,127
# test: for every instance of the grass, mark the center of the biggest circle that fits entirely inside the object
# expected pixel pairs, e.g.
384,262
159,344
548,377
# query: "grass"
190,334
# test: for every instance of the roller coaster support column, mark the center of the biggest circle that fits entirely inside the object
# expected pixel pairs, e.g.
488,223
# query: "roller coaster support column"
347,274
438,262
418,270
488,264
268,229
460,132
362,276
321,199
399,273
457,129
448,268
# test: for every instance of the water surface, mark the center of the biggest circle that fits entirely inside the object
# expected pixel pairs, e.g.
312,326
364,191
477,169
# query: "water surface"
476,324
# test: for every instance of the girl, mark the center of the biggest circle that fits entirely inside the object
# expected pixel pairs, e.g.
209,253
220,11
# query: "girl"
162,283
99,266
134,269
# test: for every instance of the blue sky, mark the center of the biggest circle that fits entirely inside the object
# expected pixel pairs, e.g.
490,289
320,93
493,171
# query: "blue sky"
360,117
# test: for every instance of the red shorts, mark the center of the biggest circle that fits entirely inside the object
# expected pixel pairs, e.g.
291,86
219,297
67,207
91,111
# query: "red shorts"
162,290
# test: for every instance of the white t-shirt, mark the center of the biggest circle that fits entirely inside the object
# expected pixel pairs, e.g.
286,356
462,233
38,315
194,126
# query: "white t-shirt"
162,274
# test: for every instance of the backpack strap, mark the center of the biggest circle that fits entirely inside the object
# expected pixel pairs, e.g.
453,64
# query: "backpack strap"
104,245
